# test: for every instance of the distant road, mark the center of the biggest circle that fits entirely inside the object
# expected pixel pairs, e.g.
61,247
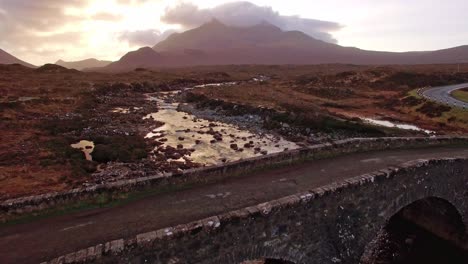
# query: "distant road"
47,238
442,94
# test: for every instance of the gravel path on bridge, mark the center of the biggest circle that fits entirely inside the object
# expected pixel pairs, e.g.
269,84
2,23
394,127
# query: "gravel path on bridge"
48,238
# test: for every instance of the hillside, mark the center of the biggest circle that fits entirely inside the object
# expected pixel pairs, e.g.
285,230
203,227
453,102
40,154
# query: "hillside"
6,58
144,57
83,64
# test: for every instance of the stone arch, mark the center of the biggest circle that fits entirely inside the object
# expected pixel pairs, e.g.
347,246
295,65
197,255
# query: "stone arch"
428,230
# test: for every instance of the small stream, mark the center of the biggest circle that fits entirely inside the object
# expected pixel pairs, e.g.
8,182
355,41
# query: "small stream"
211,142
395,125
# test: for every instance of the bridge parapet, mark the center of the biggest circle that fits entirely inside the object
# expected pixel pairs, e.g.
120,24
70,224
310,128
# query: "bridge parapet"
331,224
13,208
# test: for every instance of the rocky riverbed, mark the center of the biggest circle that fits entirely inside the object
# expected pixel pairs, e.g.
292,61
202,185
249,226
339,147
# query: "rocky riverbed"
182,133
203,139
181,136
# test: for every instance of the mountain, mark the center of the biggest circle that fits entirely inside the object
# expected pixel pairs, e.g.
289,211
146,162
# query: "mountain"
142,58
215,36
217,44
83,64
6,58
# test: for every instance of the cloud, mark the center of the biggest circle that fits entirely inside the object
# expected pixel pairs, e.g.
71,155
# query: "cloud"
39,15
107,17
187,15
36,29
3,24
42,31
243,14
22,20
131,2
148,37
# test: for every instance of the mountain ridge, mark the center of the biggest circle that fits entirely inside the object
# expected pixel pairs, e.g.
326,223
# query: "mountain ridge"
215,43
83,64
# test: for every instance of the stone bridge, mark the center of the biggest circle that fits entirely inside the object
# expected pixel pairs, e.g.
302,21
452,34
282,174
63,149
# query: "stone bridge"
350,221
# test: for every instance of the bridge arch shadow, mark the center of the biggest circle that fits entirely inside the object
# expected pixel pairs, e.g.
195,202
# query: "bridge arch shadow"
429,230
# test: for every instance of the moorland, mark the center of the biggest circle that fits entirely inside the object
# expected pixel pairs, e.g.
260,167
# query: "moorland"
47,109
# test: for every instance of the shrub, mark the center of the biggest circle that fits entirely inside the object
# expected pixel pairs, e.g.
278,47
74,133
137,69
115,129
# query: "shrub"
56,126
432,109
119,148
102,153
63,153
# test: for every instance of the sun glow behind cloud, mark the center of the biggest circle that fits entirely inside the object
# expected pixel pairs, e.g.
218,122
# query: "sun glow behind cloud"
103,36
105,20
84,28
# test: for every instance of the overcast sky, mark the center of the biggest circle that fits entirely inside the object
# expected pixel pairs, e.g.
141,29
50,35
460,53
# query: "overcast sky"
41,31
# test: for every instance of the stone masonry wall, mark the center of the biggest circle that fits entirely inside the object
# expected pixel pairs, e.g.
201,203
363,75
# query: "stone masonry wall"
24,205
332,224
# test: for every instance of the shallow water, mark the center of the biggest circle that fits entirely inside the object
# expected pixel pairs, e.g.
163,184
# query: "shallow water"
121,110
191,132
395,125
215,84
86,146
28,98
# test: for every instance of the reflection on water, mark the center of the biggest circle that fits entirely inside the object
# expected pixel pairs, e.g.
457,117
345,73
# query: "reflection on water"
86,146
22,99
28,98
215,84
211,142
121,110
394,125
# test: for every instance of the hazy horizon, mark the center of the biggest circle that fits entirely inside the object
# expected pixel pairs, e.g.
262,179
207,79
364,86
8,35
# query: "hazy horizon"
45,31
